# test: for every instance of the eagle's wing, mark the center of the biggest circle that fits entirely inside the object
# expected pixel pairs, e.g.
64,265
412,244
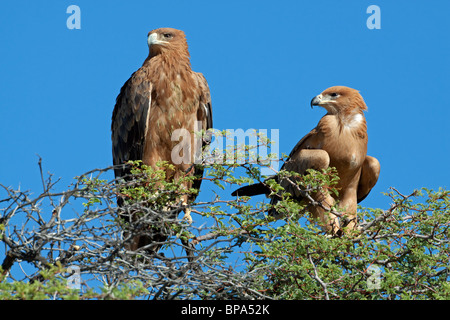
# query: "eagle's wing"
204,115
307,154
369,176
205,111
129,121
305,143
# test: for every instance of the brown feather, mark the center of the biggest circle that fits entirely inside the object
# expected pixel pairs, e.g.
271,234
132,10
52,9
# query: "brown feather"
160,97
339,140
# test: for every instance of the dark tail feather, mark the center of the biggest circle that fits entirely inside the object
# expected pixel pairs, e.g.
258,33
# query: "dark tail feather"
252,190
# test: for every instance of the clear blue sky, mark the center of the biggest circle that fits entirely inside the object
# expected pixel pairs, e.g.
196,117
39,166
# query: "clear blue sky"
264,61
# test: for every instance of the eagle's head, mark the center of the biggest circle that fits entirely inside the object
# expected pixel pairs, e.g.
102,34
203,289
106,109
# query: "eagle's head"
167,39
340,100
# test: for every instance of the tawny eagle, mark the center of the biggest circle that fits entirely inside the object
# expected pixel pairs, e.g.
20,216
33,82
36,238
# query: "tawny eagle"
339,140
160,97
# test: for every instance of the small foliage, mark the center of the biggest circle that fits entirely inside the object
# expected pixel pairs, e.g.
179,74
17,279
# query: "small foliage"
239,251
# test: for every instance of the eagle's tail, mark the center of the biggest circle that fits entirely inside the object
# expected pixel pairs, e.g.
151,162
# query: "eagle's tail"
252,190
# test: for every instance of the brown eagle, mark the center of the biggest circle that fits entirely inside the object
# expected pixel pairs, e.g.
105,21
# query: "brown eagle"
339,140
161,97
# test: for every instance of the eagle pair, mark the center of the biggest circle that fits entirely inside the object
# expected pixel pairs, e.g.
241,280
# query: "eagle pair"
165,95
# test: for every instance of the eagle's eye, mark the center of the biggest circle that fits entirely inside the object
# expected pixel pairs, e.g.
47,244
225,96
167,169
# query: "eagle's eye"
334,95
167,35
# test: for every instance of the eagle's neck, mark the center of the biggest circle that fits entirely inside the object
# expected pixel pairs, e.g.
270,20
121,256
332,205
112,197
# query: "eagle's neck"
171,77
172,60
353,121
336,125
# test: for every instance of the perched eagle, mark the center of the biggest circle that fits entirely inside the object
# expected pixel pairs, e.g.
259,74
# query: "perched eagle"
160,97
339,140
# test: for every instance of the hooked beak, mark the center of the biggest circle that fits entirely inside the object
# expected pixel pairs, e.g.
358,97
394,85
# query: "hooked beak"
153,39
316,100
